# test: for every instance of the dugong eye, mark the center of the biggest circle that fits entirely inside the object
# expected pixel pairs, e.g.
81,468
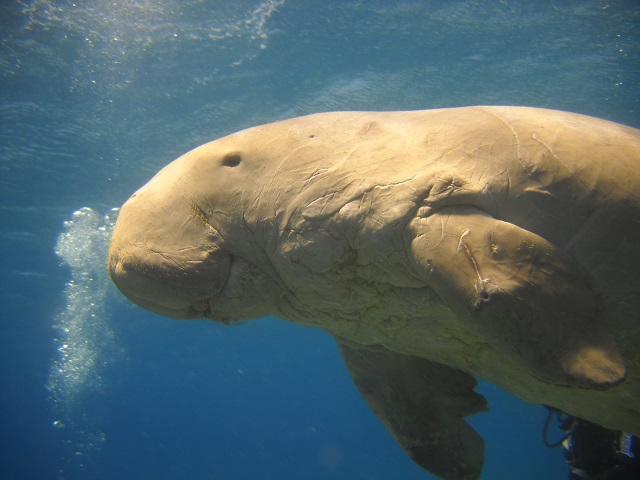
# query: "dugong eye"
231,160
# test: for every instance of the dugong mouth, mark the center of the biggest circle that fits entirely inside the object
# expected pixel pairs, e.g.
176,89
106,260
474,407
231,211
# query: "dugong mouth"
171,285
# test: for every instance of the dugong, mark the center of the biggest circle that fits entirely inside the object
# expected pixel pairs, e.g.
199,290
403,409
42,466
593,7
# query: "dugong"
500,242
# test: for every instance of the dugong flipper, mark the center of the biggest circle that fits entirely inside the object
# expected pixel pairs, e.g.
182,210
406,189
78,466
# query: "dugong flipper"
522,289
423,405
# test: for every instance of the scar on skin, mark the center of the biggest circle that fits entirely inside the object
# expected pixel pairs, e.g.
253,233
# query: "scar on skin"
199,213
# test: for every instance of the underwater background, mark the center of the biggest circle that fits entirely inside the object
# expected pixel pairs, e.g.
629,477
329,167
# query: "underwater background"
96,96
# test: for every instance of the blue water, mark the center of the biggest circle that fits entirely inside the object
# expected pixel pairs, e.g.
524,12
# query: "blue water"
96,96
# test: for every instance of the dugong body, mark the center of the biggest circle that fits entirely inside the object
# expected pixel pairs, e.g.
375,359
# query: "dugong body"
502,242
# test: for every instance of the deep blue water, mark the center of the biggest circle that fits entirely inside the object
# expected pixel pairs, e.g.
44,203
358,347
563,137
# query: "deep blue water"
96,96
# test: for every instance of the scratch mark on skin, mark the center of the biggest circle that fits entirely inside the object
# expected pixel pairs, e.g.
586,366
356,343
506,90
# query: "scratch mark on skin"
314,175
470,256
166,257
586,226
480,284
548,147
324,200
464,233
348,155
515,135
202,216
275,139
276,174
289,156
508,185
199,212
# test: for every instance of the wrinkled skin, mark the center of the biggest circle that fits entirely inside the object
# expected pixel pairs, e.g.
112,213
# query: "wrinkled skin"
502,242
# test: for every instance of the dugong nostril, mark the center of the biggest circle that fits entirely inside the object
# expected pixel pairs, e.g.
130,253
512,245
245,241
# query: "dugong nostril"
231,160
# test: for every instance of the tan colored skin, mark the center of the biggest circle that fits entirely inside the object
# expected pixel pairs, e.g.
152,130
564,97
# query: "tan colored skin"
501,241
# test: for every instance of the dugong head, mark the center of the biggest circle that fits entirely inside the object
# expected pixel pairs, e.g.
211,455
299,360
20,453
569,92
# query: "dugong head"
174,249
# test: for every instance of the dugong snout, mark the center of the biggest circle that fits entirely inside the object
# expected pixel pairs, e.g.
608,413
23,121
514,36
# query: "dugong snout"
170,284
190,283
164,259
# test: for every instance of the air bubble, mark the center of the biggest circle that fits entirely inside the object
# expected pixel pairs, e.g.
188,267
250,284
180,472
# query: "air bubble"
84,334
